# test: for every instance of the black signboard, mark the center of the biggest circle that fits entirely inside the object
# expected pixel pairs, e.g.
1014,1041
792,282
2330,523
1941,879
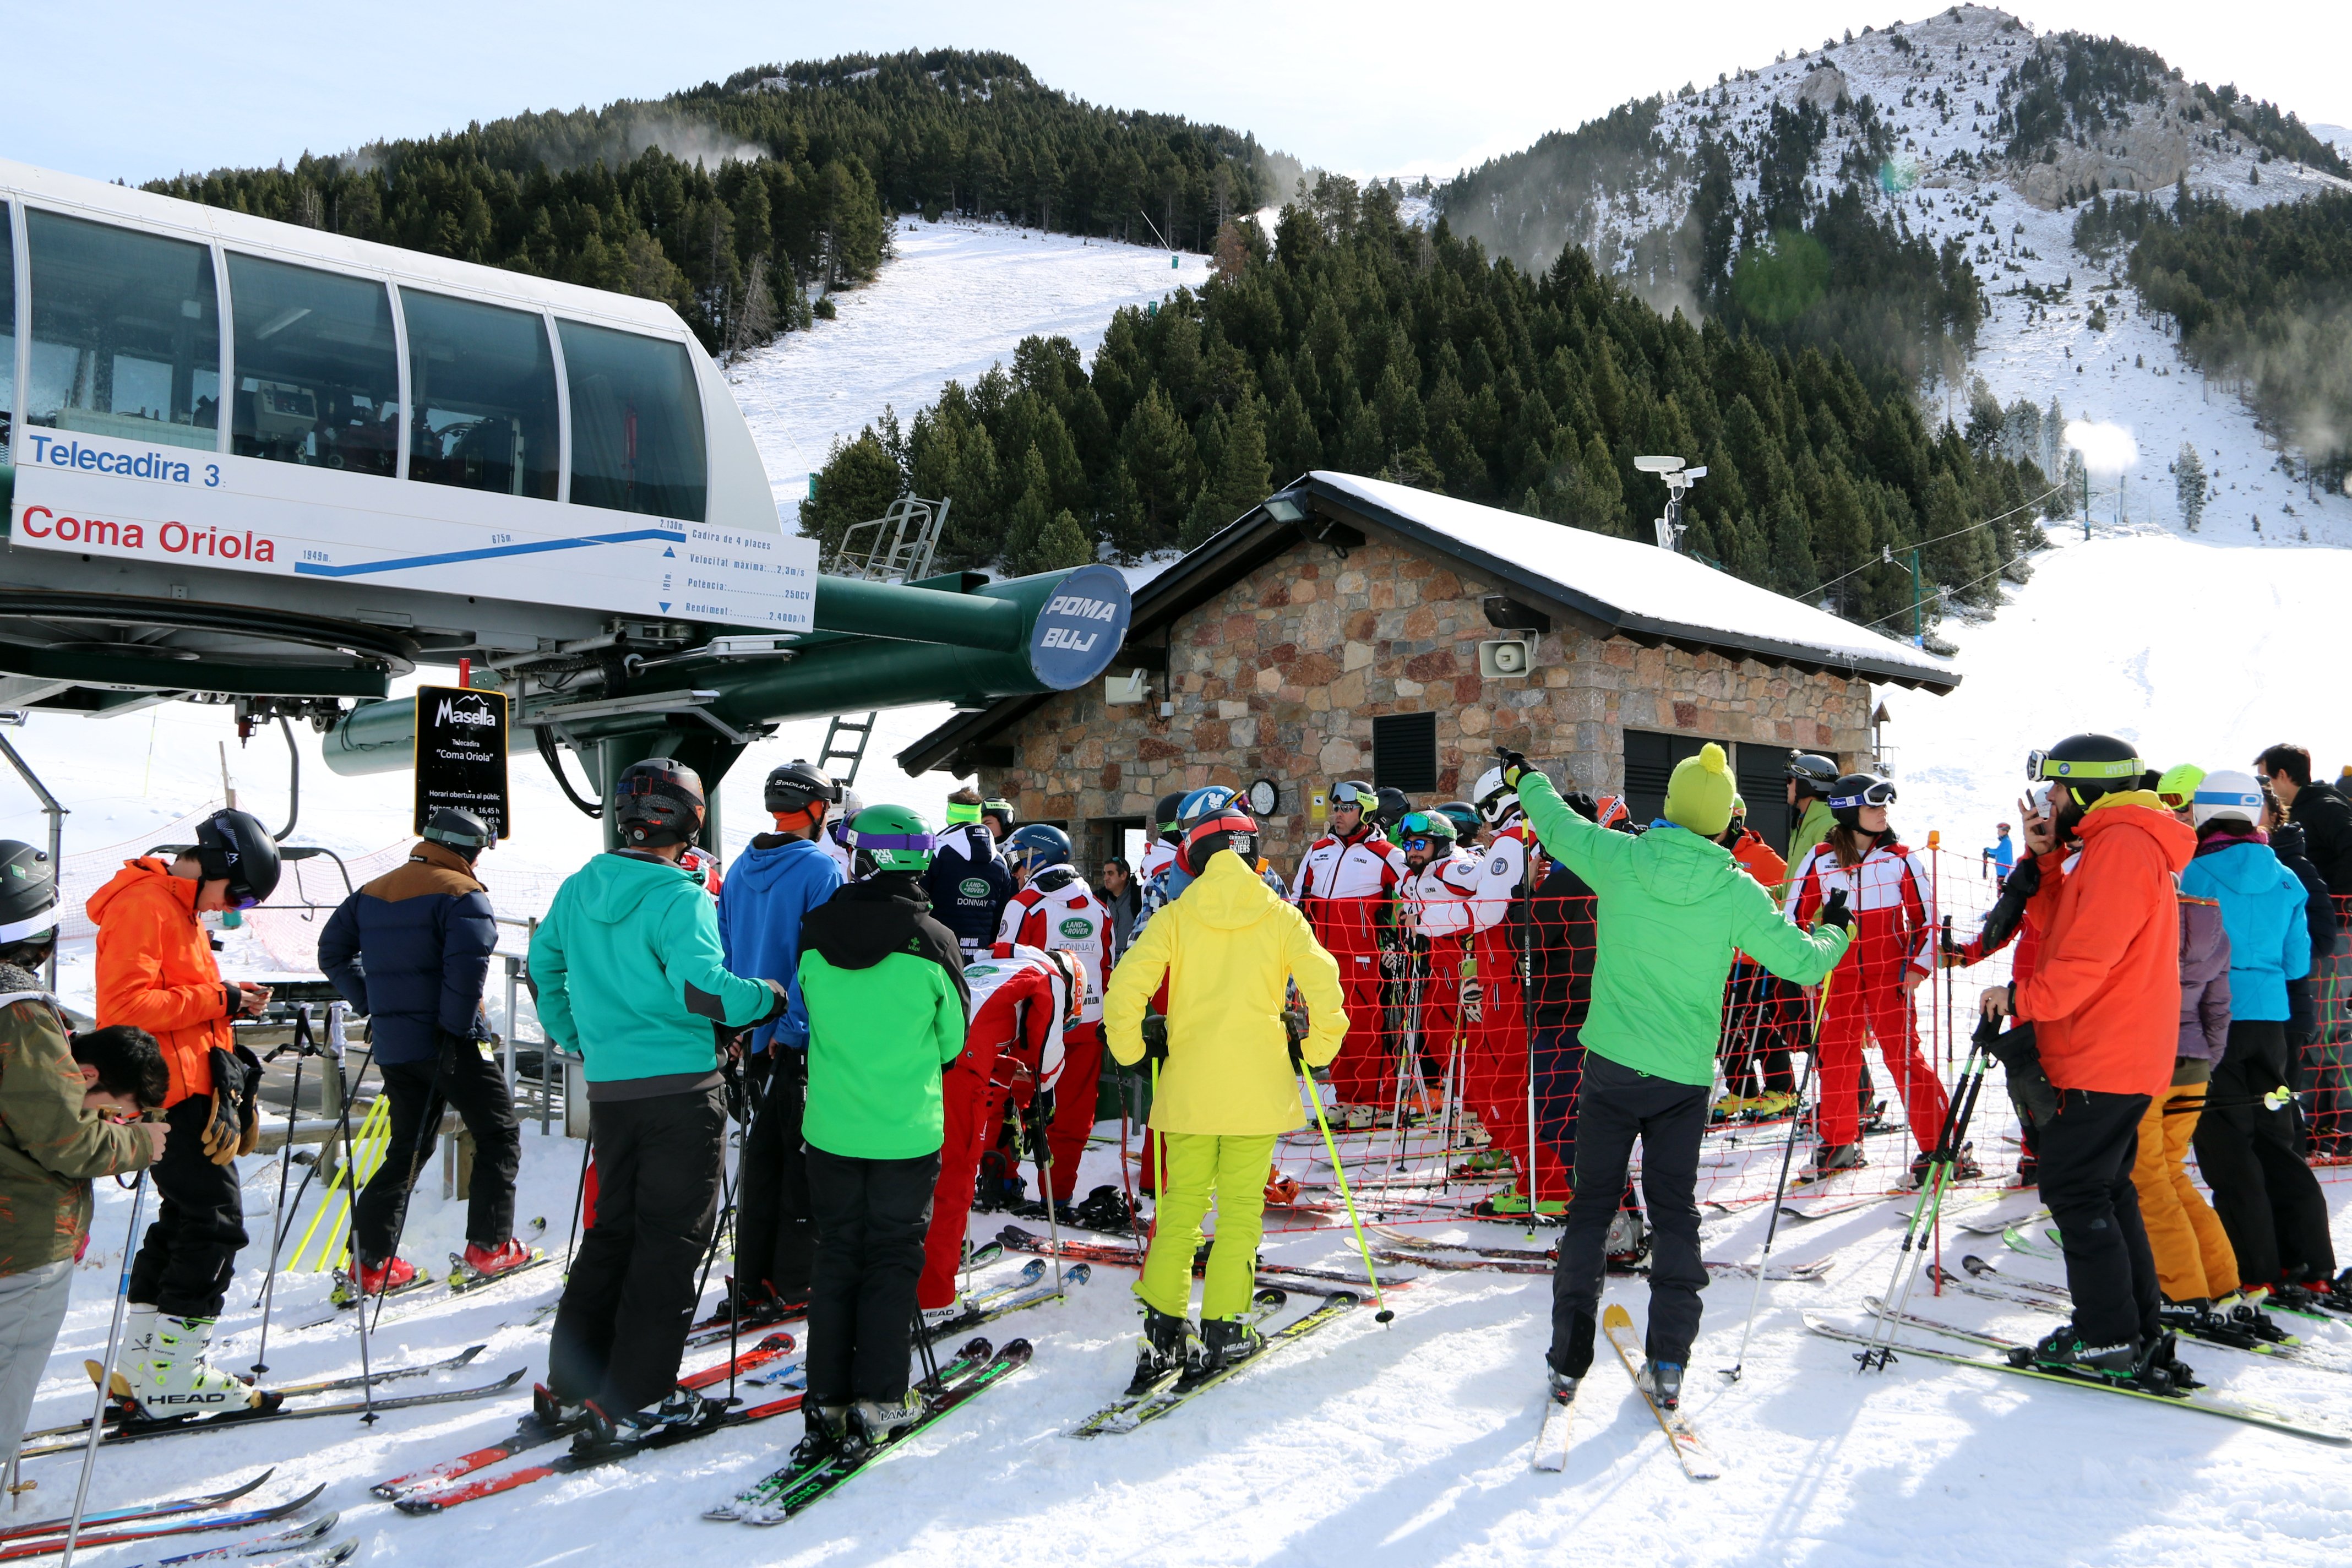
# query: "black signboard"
461,754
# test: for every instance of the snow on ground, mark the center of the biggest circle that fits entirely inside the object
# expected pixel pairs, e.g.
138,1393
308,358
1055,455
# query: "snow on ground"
958,298
1406,1444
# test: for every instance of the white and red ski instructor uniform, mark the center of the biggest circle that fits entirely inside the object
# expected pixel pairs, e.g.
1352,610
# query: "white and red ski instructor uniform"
1345,886
1056,912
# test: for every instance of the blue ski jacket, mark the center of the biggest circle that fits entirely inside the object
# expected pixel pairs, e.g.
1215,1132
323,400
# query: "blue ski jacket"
767,894
2262,906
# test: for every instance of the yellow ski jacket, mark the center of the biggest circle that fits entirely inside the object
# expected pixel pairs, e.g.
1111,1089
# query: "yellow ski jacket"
1229,950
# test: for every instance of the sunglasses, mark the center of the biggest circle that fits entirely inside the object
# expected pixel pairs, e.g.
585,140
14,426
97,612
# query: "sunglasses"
1420,842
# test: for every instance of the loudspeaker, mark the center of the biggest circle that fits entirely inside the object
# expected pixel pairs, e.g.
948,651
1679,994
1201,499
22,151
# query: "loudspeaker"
1511,659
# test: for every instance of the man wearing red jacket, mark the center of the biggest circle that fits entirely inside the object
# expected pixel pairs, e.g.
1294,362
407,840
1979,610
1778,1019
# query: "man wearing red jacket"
1021,999
1053,910
2098,1020
1346,889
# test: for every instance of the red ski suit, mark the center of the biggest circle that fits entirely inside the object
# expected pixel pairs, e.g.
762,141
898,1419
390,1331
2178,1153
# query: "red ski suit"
1011,1051
1437,907
1892,896
1344,887
1495,1078
1057,911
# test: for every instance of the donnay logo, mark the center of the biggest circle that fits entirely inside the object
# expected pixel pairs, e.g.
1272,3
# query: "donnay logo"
1078,929
973,888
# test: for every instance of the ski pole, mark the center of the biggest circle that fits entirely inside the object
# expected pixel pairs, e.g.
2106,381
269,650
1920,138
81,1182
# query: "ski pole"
106,1372
1787,1154
1306,1082
1928,1208
1042,1153
334,1050
302,1048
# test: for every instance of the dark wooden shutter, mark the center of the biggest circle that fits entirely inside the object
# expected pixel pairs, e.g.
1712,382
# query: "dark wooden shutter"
1404,752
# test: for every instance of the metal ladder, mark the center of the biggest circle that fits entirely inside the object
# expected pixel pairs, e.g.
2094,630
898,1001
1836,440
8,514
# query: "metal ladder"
905,538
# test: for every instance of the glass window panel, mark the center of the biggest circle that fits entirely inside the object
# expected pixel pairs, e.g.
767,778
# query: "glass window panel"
317,375
7,331
482,381
637,423
126,333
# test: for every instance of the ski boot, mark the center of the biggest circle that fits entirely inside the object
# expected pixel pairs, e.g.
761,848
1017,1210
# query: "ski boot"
489,1262
173,1377
1281,1192
1512,1205
554,1413
2063,1349
2241,1314
602,1433
1772,1102
1105,1209
1830,1158
1625,1245
1731,1107
138,1342
827,1435
1161,1352
1224,1343
1563,1387
383,1276
1663,1381
2161,1370
1964,1169
874,1422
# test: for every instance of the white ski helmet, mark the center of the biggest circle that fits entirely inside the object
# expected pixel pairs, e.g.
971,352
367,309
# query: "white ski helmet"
2227,796
1498,803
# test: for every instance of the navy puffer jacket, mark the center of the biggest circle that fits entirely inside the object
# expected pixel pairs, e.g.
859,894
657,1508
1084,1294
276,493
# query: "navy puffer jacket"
411,950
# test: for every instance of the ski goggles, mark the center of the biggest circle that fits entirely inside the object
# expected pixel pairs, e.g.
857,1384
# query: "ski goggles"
1879,793
2039,766
920,842
961,813
1363,797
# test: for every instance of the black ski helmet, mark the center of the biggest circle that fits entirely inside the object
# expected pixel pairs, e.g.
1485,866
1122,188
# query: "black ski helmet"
1392,805
1854,791
28,894
455,827
233,847
797,784
2086,767
656,803
1815,773
1166,812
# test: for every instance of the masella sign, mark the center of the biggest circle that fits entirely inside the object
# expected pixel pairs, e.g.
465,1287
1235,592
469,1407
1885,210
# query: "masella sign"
461,755
100,495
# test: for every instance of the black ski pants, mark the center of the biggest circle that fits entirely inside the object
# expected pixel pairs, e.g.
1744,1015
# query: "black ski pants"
622,1325
190,1251
1616,1105
775,1239
1756,1033
871,1218
474,1086
2086,1152
2251,1157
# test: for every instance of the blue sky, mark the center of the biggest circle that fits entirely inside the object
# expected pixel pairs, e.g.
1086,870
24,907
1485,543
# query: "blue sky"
122,91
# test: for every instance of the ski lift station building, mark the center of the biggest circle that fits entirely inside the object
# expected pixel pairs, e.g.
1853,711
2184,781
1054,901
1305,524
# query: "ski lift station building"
1352,628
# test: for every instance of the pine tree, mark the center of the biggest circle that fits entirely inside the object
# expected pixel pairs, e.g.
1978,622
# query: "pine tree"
1063,544
858,482
2188,485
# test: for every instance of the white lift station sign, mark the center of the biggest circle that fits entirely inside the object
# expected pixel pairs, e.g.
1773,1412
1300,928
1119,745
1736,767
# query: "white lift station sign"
98,495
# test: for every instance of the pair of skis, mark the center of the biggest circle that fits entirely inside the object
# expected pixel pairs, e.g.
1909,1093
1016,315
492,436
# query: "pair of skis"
1289,1277
132,1429
1141,1407
436,1485
48,1545
786,1492
1409,1248
2193,1399
991,1305
301,1542
1553,1435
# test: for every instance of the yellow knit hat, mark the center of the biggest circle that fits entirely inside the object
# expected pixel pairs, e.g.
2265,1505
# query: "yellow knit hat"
1699,794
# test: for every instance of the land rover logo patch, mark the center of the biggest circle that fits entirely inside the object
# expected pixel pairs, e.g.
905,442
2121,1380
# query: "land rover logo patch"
1077,928
973,888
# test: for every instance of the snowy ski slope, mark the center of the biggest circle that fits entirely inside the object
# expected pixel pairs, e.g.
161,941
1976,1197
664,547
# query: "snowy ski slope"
1406,1444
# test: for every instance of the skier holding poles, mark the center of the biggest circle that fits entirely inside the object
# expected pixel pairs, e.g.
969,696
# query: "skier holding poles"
1229,951
1673,906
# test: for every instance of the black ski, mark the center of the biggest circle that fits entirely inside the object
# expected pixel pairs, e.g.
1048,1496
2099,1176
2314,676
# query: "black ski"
132,1431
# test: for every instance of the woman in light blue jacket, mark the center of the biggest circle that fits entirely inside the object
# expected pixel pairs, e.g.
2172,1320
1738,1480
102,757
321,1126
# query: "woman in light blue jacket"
2250,1143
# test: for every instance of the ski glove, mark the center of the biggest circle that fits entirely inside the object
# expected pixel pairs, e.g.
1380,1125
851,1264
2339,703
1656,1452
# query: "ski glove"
1474,995
1155,1038
1294,1029
234,1126
1833,912
1514,764
2030,1088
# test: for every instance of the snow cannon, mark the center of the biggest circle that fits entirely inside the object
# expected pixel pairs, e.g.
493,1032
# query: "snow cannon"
955,639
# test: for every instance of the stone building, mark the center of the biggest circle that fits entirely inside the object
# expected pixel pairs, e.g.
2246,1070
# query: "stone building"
1352,628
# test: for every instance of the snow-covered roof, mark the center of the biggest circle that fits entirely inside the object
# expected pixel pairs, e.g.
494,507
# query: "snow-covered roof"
1632,587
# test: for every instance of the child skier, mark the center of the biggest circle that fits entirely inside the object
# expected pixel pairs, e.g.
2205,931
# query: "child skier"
883,984
1229,950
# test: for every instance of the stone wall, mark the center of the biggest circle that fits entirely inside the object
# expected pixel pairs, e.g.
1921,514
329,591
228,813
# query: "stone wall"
1281,675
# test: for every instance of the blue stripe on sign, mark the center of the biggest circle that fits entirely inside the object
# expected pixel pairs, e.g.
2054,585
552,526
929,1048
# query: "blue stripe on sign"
317,569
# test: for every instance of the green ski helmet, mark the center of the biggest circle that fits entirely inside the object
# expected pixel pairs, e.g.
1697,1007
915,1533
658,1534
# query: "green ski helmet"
896,839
